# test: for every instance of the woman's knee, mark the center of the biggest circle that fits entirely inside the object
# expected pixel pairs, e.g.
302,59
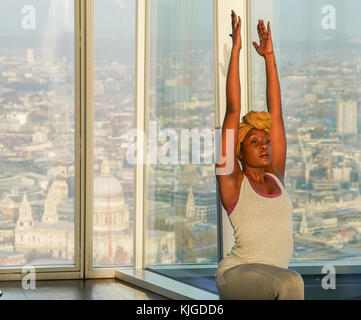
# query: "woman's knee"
291,286
246,282
220,282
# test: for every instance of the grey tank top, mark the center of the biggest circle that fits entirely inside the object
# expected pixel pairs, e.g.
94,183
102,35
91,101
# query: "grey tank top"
263,228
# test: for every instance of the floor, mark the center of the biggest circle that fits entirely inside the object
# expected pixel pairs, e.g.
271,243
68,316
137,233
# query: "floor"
347,288
92,289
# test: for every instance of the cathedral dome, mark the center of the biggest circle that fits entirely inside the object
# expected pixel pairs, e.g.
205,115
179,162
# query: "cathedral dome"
105,185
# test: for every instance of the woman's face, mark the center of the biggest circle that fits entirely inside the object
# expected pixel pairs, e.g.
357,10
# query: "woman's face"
256,149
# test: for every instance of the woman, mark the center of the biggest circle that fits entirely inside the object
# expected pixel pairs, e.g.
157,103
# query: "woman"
255,196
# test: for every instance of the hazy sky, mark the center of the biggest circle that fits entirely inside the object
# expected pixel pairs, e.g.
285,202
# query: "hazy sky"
58,13
291,18
303,17
11,16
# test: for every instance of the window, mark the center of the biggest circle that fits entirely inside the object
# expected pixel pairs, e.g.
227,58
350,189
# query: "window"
114,117
317,47
37,151
180,189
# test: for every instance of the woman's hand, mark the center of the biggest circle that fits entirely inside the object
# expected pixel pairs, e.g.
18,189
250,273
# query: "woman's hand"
265,47
236,31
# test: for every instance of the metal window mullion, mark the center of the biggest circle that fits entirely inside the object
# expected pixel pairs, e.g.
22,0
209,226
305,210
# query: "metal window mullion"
217,117
79,123
222,51
140,41
87,108
248,56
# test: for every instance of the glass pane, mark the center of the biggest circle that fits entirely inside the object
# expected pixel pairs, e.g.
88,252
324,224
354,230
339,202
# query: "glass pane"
114,117
37,133
317,47
180,184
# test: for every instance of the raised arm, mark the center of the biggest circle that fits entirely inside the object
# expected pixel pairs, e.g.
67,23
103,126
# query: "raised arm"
274,103
231,121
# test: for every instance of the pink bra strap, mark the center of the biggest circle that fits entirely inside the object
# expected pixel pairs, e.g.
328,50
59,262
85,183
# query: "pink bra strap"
230,209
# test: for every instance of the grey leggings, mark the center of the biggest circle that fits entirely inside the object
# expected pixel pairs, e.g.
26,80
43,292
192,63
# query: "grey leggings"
257,281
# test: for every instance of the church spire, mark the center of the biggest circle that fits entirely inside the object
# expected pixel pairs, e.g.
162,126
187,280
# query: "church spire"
25,219
50,214
303,225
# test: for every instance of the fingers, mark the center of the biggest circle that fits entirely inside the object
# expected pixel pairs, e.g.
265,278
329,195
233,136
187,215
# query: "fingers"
260,27
259,30
236,23
234,20
263,27
263,33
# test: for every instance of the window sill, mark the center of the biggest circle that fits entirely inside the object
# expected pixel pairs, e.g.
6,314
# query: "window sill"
162,285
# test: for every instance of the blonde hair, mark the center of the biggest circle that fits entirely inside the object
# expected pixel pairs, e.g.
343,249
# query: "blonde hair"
260,120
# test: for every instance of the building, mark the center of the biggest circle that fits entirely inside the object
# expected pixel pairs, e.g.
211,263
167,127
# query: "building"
113,239
112,232
49,238
347,117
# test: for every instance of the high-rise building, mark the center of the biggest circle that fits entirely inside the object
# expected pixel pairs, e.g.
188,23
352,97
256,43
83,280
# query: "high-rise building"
30,56
347,117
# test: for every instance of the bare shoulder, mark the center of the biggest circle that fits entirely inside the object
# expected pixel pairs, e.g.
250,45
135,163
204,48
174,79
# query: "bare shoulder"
277,173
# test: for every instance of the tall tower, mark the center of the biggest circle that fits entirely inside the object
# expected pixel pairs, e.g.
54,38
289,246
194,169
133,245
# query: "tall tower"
303,225
30,57
347,117
329,164
50,214
191,204
25,219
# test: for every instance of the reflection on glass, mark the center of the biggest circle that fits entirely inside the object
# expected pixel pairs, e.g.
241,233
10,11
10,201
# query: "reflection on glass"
180,202
37,169
114,117
317,45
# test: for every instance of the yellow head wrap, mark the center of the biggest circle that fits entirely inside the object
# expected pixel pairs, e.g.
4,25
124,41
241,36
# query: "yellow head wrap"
253,120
